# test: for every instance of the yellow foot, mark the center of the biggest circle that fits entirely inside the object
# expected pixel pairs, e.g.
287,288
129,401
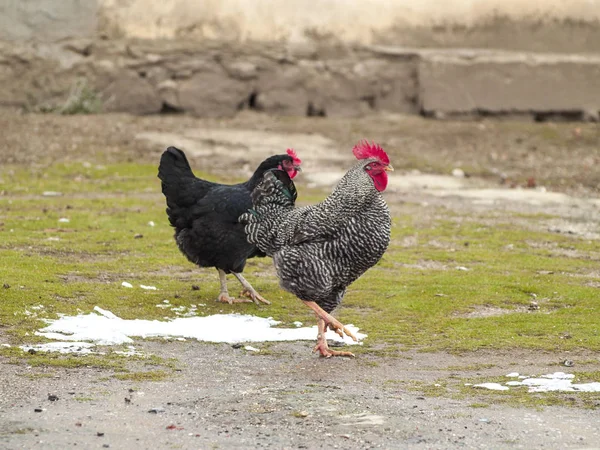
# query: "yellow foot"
326,320
326,352
255,296
338,327
224,298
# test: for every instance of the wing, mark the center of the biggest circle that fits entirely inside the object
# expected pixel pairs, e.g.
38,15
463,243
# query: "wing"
223,203
315,226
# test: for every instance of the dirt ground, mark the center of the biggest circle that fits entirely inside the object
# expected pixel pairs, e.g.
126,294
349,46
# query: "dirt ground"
228,398
223,397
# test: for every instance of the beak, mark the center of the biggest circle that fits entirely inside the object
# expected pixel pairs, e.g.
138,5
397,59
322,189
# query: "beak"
388,168
298,168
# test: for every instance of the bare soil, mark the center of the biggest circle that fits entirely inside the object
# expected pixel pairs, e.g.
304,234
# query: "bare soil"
222,397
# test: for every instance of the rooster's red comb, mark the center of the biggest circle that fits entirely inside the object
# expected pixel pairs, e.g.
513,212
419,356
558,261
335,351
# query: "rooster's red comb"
291,152
364,150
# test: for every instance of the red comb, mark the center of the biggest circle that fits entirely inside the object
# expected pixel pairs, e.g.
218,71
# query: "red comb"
364,150
291,152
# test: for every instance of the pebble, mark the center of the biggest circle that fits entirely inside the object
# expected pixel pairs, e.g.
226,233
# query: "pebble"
156,410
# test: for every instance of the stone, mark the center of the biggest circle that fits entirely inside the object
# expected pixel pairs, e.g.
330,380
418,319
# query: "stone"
157,74
284,102
304,49
169,93
128,92
590,114
284,90
242,70
207,94
82,46
338,93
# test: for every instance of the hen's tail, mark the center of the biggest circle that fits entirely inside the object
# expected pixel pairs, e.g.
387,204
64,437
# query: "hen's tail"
180,186
175,172
274,196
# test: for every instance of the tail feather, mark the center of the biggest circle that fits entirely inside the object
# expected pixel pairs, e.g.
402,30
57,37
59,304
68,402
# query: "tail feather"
179,184
174,169
274,196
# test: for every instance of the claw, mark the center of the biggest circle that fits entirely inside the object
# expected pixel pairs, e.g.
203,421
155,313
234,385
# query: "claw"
350,334
339,328
249,291
326,352
255,296
322,347
224,298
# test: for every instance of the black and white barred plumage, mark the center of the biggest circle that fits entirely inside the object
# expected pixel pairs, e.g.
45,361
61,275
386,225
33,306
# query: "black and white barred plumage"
319,250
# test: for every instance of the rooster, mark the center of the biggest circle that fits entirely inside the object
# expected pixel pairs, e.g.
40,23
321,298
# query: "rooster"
205,216
319,250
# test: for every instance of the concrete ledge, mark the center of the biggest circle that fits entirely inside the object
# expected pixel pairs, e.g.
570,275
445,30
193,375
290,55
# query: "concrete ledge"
497,82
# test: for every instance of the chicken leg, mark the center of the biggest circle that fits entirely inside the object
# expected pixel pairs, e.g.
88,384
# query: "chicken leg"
324,321
224,294
249,291
322,346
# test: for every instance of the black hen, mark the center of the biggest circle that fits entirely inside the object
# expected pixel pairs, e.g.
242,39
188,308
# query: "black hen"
319,250
205,216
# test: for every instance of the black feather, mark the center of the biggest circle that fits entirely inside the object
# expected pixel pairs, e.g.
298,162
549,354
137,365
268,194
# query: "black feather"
205,214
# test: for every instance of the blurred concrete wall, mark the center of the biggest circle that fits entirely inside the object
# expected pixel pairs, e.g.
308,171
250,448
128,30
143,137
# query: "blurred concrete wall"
45,20
402,22
361,21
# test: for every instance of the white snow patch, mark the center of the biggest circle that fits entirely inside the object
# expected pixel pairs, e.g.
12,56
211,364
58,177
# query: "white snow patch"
251,349
552,382
143,286
102,327
61,347
558,381
64,220
492,386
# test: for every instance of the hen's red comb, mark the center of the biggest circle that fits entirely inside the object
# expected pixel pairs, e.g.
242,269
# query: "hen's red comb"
364,150
291,152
